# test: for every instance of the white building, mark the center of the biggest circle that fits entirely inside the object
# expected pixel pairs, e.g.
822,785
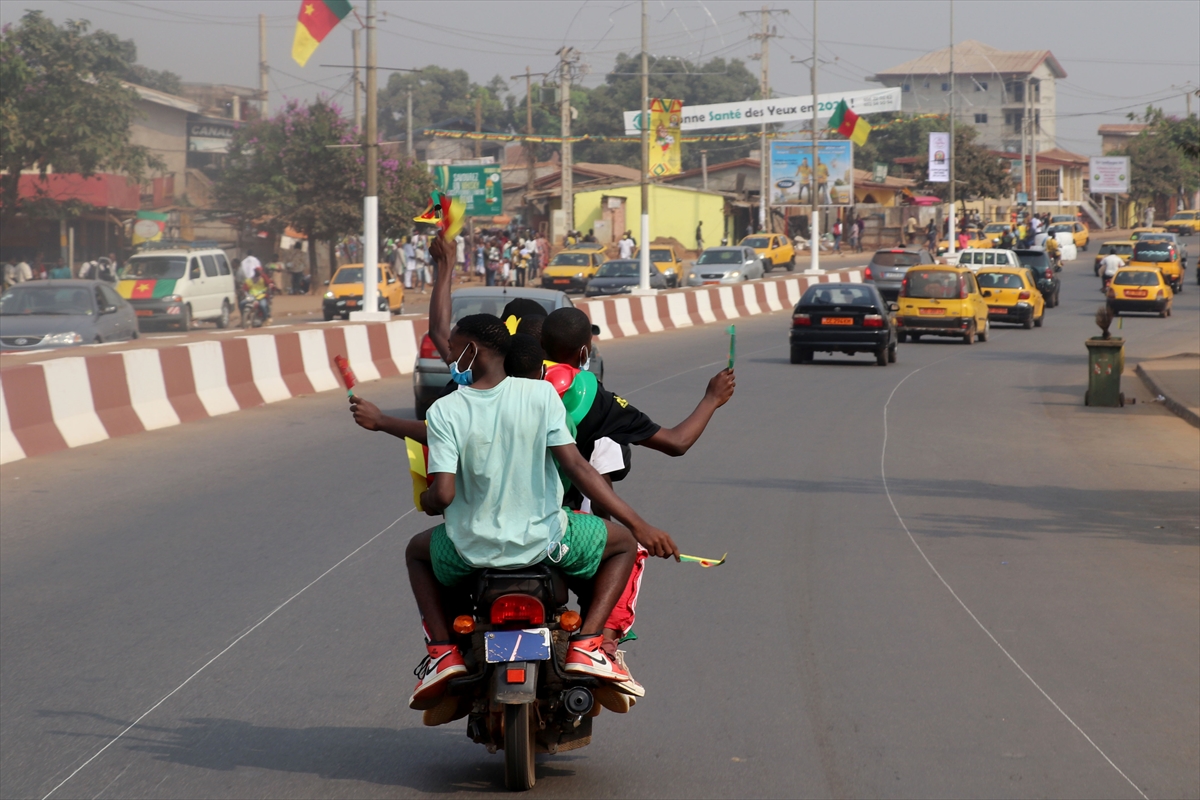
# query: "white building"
994,90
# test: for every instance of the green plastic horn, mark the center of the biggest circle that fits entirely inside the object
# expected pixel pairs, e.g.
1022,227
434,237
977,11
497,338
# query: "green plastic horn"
579,397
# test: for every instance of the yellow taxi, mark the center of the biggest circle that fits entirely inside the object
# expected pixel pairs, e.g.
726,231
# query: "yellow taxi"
570,270
1162,255
1122,248
1012,296
774,249
667,262
1184,223
988,237
1140,289
1137,233
345,292
942,301
1079,232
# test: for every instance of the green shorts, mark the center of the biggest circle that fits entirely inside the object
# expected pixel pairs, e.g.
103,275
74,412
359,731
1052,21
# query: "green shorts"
585,540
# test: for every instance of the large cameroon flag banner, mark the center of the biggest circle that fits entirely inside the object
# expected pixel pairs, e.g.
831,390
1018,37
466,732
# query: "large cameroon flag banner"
317,19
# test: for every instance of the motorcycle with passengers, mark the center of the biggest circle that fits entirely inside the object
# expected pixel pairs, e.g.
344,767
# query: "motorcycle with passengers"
512,627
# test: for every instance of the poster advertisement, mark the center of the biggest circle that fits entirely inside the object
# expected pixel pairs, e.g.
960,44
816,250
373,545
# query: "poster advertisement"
665,138
478,187
149,227
1108,174
939,157
776,109
791,173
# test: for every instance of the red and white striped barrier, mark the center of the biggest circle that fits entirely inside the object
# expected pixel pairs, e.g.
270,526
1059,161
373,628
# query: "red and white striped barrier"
73,400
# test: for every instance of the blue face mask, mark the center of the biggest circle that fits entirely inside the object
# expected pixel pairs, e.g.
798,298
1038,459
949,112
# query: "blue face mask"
463,378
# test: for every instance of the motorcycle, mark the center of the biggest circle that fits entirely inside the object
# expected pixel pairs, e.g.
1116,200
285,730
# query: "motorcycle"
513,630
254,311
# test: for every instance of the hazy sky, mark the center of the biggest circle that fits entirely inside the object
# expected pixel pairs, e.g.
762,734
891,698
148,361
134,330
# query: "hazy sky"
1119,56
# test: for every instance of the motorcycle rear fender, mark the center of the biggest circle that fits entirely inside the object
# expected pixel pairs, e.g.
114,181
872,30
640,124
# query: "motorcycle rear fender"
505,693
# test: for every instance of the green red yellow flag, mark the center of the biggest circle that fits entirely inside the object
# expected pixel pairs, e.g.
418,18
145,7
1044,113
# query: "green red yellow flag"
849,124
145,288
317,19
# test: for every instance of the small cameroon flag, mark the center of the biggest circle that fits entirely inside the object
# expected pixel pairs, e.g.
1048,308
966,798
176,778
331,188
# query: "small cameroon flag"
317,19
849,124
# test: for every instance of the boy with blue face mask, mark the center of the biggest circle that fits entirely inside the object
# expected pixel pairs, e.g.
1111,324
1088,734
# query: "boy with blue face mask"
492,451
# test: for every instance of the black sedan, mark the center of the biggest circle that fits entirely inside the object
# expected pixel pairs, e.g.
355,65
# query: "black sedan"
620,276
843,318
63,313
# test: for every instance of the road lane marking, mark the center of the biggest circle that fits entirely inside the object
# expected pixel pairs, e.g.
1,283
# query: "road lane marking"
228,647
954,594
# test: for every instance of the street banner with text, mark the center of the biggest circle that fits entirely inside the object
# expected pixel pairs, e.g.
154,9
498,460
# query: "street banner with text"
1108,174
939,157
477,186
665,137
776,109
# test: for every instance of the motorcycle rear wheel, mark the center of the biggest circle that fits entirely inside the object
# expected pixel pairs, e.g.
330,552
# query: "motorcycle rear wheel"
518,748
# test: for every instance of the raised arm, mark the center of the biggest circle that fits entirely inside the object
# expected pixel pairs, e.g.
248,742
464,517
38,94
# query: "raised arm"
678,440
368,416
594,486
442,253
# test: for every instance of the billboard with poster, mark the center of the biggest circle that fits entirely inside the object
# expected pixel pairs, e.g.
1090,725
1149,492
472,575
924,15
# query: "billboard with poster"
1108,174
791,173
665,137
478,186
939,157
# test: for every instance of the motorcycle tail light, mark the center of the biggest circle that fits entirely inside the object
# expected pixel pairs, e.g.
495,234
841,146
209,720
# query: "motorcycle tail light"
801,320
873,321
570,621
517,608
1023,296
428,349
464,623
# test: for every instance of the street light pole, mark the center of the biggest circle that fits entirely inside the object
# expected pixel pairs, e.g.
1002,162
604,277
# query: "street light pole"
814,219
950,229
644,242
370,304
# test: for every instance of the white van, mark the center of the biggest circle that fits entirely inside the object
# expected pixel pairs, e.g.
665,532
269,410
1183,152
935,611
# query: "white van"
179,284
990,257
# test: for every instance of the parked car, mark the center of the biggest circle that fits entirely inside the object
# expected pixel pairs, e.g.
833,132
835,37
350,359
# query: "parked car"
1044,274
668,264
1184,223
941,301
431,374
621,276
1122,248
843,318
62,313
570,270
725,265
774,249
179,285
344,292
887,267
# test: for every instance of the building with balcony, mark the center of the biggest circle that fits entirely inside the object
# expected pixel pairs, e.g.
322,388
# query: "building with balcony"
994,90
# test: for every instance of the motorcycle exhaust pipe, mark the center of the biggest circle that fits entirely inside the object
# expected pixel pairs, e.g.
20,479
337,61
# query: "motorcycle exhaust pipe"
578,701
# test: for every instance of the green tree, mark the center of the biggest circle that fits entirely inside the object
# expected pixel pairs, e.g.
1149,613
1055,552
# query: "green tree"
301,168
1164,159
441,97
64,106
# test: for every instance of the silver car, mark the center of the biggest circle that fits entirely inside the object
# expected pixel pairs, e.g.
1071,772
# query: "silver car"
63,313
725,265
431,375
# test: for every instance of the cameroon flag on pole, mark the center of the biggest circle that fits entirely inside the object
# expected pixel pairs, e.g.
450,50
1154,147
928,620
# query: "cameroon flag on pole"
317,19
849,124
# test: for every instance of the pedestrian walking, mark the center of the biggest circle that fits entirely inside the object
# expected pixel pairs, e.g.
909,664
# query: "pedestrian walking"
837,237
625,246
910,231
931,237
700,236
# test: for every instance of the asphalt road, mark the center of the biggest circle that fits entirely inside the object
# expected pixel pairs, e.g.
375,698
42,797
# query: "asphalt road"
946,578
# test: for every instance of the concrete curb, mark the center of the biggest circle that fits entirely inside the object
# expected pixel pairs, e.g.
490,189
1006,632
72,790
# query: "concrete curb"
71,401
1173,405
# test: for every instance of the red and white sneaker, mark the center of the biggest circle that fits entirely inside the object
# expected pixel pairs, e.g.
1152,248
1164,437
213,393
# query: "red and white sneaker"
443,662
586,655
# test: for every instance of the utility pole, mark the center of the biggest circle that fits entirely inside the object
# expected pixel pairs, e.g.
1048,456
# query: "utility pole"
262,66
478,122
764,57
355,85
814,218
370,304
1034,124
704,169
952,221
1024,138
644,240
408,122
566,58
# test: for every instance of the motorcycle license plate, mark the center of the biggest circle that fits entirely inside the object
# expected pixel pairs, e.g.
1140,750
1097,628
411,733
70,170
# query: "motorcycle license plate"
531,644
933,312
